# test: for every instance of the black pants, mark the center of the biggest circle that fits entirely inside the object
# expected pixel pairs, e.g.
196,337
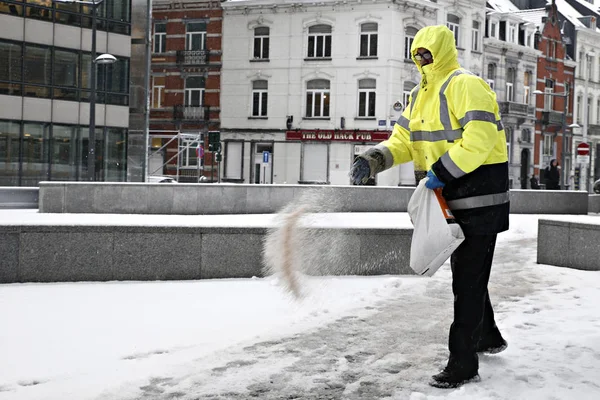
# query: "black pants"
473,314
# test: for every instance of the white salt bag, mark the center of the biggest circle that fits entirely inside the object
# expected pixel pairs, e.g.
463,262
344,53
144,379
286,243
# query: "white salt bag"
436,234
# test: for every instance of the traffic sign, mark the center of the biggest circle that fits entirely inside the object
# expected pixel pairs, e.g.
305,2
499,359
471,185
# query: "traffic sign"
200,151
266,157
583,149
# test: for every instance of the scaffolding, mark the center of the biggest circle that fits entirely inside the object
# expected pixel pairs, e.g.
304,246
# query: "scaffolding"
188,160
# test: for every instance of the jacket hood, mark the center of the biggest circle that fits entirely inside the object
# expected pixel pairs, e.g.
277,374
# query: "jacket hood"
439,40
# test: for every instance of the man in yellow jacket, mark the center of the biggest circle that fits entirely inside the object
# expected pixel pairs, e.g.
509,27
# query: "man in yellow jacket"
451,130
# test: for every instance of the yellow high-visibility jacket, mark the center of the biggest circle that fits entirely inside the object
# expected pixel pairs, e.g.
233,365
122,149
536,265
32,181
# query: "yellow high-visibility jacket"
452,126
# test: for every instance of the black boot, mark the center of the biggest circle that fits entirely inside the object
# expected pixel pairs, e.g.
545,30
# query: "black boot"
491,346
456,374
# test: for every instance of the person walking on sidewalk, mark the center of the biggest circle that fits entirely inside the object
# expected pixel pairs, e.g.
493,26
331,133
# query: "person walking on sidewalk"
552,176
452,132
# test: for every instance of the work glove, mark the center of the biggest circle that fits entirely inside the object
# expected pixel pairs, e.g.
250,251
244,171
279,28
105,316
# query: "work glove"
367,165
433,182
360,171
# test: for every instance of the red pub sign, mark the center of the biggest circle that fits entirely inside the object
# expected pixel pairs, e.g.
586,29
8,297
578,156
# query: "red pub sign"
338,135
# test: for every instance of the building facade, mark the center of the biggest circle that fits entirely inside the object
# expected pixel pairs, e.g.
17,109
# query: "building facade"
186,81
511,69
554,110
45,81
306,86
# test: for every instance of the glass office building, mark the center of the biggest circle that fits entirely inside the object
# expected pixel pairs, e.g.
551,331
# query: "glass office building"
45,81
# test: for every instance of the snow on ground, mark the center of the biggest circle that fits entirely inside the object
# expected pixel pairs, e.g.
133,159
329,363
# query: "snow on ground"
350,338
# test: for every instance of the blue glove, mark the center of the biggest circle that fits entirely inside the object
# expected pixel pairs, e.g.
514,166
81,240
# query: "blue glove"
433,182
360,171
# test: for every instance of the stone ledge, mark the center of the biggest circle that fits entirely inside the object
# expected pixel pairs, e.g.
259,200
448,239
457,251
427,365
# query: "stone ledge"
228,198
569,244
71,253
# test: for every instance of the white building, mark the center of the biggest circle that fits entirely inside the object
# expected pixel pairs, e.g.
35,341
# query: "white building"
307,85
511,70
587,86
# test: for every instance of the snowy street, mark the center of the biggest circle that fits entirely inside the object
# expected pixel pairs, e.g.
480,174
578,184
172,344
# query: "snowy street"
378,337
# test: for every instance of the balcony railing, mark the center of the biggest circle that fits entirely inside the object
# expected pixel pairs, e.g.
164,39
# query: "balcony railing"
189,113
509,107
552,118
192,57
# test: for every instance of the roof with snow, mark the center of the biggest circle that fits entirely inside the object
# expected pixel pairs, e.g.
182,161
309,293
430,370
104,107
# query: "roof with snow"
571,14
534,16
502,5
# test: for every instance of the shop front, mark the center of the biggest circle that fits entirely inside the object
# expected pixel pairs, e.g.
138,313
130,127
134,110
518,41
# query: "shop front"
322,157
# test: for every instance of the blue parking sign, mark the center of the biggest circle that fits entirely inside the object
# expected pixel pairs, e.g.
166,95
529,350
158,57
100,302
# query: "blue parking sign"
265,157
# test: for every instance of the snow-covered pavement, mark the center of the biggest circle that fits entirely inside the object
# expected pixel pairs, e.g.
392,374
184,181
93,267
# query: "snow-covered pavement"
349,338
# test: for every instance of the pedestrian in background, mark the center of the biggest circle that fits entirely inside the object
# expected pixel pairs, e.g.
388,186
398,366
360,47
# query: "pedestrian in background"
534,182
452,132
552,176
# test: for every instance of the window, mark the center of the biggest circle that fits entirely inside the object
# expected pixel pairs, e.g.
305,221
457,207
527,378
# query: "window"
551,48
512,32
528,38
194,91
510,83
579,109
261,43
188,156
259,98
368,40
549,100
158,91
588,66
366,98
195,36
408,40
526,87
567,90
37,69
317,98
10,132
548,146
319,41
233,160
10,68
35,152
408,87
475,36
160,37
598,112
115,167
315,158
493,29
509,136
453,23
580,65
491,75
588,110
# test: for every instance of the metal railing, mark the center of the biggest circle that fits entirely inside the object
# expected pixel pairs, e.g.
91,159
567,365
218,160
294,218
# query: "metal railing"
509,107
192,57
189,113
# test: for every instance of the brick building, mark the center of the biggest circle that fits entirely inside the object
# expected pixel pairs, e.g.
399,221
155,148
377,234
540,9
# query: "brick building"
555,76
186,74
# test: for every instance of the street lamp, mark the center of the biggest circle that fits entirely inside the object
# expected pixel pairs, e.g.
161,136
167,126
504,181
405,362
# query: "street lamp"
563,125
102,59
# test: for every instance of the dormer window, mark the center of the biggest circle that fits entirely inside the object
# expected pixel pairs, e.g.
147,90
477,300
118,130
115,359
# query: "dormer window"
493,29
512,33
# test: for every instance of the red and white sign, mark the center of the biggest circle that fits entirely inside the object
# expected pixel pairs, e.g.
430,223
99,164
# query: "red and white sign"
200,152
338,135
583,149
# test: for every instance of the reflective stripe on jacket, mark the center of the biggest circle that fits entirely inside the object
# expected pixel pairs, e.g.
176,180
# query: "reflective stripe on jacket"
452,125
